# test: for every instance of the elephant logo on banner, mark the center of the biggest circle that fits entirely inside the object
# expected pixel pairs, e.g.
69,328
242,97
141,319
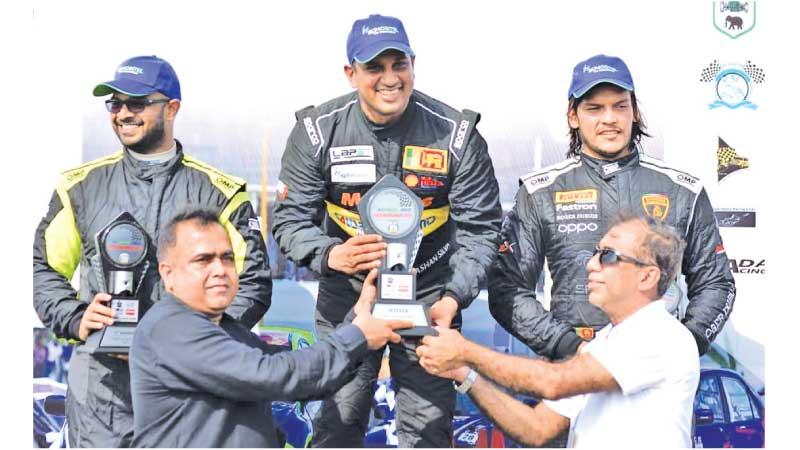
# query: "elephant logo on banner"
734,18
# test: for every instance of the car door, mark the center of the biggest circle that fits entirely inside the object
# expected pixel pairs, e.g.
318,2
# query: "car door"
708,401
745,428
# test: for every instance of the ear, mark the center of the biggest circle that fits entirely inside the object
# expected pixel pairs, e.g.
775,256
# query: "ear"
350,73
572,118
648,278
165,270
172,109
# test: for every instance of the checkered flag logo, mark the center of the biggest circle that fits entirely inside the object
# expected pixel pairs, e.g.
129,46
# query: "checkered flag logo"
756,73
709,74
728,161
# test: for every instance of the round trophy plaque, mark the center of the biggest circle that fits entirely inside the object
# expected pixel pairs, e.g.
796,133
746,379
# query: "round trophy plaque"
124,245
393,213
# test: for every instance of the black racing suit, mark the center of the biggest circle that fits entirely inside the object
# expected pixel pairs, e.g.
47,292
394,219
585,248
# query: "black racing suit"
562,211
88,197
333,156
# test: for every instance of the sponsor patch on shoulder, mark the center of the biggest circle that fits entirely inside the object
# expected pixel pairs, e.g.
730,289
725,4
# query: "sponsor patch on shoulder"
687,180
312,133
254,223
352,153
353,173
534,181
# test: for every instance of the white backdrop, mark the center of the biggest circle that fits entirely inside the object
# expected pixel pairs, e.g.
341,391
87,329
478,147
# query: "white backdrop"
245,67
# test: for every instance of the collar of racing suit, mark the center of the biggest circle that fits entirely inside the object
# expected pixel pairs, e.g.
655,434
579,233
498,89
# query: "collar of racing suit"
145,170
395,129
607,169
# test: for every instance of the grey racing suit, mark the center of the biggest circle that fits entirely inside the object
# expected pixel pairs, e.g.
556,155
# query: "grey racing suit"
333,156
560,214
87,199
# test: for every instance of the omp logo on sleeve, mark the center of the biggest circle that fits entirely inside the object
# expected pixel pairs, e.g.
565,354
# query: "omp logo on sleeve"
580,196
425,159
352,153
656,206
353,173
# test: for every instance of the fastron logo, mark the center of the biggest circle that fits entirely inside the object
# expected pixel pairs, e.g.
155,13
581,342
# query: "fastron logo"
133,70
378,30
597,69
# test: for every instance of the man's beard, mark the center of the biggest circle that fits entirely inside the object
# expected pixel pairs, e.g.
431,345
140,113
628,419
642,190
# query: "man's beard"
149,141
606,154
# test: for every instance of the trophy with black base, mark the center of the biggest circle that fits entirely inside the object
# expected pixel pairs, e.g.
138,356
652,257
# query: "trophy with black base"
393,211
123,246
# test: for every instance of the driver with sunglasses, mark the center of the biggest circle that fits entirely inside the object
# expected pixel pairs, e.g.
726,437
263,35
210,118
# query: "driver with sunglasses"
561,212
152,179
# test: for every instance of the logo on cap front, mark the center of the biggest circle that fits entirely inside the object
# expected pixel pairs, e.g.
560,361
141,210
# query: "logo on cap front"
378,30
598,68
133,70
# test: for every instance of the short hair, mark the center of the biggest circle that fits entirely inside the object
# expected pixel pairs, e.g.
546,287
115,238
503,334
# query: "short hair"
167,239
638,130
662,245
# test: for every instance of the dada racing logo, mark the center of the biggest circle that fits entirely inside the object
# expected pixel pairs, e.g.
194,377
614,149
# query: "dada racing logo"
733,83
748,266
734,18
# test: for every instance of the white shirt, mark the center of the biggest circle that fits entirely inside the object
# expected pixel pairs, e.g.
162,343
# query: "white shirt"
654,359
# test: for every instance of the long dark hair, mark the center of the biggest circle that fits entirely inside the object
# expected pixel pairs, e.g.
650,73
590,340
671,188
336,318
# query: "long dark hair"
638,130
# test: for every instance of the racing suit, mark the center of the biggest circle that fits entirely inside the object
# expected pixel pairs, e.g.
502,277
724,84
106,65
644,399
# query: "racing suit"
563,211
87,199
334,155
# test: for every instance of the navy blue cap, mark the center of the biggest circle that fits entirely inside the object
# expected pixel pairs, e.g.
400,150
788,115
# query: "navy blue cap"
372,36
599,69
140,76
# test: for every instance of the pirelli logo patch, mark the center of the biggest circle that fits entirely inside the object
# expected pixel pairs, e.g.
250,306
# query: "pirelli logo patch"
423,159
581,196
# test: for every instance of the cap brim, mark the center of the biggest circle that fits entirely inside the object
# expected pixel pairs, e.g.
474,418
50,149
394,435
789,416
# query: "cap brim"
369,53
123,86
578,93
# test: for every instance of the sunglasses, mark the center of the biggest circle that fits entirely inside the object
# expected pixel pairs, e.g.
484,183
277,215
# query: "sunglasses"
609,256
135,105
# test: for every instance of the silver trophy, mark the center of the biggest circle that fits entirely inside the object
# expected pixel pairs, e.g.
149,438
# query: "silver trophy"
393,211
123,246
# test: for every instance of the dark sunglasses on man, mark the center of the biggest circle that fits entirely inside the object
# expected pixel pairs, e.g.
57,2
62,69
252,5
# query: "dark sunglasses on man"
609,256
134,104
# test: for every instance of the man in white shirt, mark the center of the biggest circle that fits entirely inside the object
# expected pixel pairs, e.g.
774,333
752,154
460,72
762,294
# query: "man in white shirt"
632,385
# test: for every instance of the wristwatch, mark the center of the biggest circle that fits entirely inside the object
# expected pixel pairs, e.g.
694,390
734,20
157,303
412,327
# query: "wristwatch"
472,377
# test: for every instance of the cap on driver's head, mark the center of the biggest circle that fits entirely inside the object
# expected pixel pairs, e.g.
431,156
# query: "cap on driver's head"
140,76
374,35
599,69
